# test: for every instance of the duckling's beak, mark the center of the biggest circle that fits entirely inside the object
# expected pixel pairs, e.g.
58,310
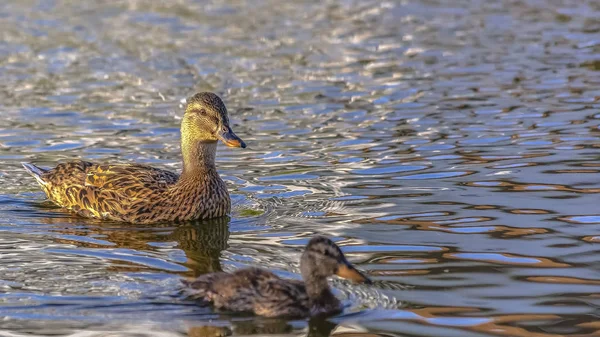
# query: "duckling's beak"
347,271
229,138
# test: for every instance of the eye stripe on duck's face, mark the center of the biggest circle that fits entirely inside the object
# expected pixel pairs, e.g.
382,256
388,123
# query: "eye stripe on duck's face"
207,115
201,110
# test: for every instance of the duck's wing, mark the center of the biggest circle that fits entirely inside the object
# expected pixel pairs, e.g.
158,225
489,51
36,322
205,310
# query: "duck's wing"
129,179
236,291
282,298
103,191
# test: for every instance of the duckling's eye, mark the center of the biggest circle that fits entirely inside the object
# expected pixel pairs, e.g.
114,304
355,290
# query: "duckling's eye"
203,112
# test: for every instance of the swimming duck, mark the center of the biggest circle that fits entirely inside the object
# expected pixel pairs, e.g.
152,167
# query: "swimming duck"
143,194
264,293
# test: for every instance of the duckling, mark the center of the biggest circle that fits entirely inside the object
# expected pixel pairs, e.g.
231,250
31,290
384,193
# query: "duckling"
143,194
263,293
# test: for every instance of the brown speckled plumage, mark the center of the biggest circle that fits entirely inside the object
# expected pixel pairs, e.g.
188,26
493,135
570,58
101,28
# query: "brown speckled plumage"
143,194
264,293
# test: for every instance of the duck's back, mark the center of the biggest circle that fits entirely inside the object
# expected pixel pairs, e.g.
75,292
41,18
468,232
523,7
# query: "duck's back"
253,290
114,192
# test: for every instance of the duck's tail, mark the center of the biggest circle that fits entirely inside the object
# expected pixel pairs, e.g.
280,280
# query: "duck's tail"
36,172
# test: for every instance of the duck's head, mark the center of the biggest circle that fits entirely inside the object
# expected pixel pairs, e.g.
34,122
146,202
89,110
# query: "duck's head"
323,258
206,119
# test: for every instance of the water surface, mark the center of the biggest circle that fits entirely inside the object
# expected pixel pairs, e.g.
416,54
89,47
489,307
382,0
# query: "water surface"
449,147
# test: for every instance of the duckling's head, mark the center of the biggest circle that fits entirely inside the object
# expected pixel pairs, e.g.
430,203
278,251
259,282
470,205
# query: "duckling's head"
323,258
206,119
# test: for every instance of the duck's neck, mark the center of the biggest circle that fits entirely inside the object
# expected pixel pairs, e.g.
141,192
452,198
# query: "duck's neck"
320,296
198,157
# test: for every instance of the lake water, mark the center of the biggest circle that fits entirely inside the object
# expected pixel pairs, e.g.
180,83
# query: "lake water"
450,147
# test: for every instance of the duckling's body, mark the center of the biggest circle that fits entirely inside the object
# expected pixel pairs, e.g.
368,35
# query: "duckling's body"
258,291
264,293
144,194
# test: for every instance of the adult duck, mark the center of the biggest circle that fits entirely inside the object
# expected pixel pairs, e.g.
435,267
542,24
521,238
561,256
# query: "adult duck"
143,194
261,292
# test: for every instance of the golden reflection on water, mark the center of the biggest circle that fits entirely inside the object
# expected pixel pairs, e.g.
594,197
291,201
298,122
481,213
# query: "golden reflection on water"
453,225
509,186
561,280
511,259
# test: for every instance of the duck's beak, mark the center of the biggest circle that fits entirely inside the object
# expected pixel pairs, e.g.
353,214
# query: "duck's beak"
230,139
347,271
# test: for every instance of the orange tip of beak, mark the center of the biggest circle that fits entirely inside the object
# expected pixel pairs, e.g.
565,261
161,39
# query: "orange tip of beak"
350,273
235,143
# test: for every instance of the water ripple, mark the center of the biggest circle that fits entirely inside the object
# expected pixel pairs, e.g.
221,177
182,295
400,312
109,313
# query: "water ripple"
451,151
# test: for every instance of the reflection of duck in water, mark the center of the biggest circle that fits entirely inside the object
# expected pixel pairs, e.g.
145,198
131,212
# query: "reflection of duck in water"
144,194
264,293
201,241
